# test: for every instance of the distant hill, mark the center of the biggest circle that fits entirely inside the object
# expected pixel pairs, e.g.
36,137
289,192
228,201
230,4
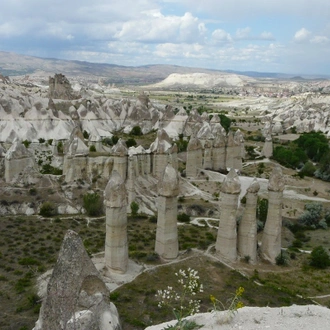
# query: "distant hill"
12,64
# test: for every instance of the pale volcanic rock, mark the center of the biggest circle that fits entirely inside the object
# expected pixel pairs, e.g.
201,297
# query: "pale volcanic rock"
271,238
76,289
267,149
247,230
120,158
226,243
116,244
205,133
219,153
207,156
167,244
194,158
18,160
160,148
203,80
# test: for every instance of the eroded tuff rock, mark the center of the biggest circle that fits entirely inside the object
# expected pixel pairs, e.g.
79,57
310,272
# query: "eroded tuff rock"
247,230
271,238
60,88
18,161
226,244
167,244
116,246
77,297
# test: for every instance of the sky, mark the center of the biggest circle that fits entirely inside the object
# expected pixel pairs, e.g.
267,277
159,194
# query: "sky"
288,36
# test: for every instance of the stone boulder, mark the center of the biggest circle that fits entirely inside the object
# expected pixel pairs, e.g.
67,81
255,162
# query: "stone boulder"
77,297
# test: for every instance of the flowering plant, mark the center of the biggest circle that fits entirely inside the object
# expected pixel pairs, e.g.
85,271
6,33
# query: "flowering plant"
233,304
182,303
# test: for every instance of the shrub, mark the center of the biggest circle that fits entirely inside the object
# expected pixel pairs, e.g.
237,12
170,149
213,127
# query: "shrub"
92,148
183,217
262,209
41,140
48,209
319,258
282,259
60,148
26,143
93,204
131,143
312,215
134,208
136,130
86,135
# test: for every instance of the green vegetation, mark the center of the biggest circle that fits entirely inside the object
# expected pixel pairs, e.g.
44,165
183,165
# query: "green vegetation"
314,216
48,169
92,148
48,209
60,148
130,142
134,208
301,153
225,122
136,131
86,135
93,204
26,143
320,258
110,141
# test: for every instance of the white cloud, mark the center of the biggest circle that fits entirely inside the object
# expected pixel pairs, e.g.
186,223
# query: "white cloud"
302,35
155,27
320,40
220,35
243,33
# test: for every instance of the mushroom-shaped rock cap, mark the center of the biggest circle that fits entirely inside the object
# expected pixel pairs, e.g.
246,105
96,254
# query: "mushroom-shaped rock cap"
194,144
239,136
120,148
231,185
168,185
254,186
269,138
115,191
276,180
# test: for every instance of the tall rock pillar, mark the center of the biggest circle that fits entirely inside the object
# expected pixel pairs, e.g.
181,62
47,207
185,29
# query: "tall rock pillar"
116,247
247,230
226,244
271,238
167,245
194,158
219,153
207,161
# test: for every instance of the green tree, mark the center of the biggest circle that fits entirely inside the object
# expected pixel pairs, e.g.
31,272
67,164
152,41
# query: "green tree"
92,148
134,208
225,122
319,258
86,135
93,204
131,143
136,130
